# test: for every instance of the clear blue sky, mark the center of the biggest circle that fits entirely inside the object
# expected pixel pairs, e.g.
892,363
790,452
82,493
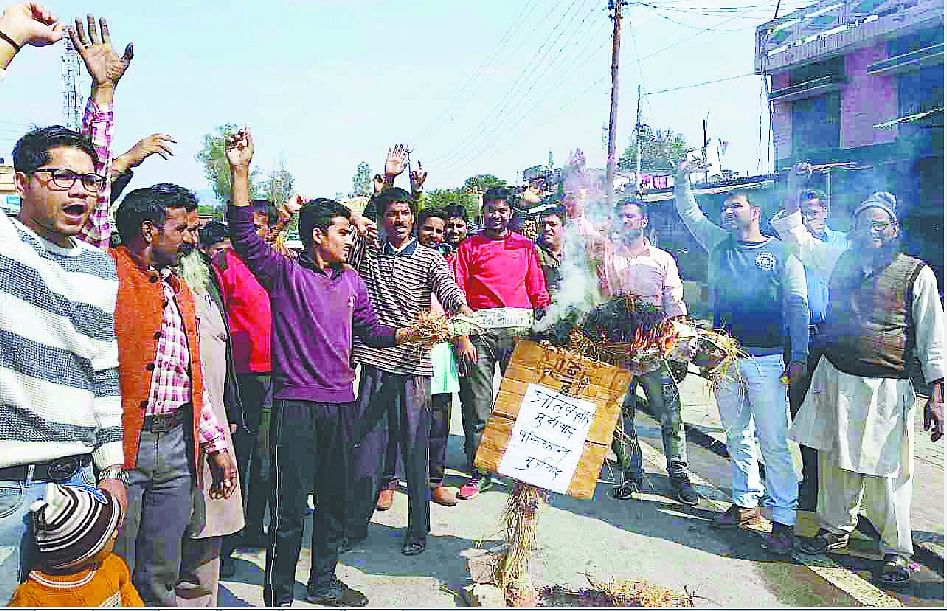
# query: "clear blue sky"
473,87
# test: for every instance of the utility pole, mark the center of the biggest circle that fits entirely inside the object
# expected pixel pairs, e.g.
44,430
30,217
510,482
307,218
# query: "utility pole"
704,150
70,77
615,6
638,146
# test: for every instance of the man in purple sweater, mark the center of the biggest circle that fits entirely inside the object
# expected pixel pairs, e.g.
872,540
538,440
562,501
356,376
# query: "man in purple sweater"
318,304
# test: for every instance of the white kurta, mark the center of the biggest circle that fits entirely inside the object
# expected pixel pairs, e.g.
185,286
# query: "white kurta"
866,424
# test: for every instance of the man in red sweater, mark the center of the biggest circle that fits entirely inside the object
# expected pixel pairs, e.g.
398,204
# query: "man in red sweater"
497,269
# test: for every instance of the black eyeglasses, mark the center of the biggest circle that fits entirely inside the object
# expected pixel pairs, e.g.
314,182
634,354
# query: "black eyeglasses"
65,178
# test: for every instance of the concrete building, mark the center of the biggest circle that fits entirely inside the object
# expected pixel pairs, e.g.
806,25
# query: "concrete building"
860,83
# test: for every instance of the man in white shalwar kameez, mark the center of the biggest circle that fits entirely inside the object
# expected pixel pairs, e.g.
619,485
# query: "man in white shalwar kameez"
859,413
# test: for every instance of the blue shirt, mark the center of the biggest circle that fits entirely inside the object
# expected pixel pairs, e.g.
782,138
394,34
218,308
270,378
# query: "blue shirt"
818,282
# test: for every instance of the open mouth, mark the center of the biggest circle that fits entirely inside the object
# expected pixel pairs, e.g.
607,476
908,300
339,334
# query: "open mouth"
74,211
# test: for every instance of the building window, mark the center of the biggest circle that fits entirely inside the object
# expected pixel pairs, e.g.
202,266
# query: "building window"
816,124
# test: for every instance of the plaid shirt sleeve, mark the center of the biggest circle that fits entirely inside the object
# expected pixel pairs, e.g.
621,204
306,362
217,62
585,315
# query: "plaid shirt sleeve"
210,430
97,125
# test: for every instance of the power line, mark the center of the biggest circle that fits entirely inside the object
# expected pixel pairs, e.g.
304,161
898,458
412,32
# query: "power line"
514,98
526,106
490,60
688,39
500,104
719,80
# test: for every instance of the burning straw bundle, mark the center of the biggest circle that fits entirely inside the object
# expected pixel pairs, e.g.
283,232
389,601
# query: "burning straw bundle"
624,331
632,333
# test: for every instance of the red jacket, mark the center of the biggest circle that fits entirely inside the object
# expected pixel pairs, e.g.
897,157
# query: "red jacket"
248,313
137,328
500,273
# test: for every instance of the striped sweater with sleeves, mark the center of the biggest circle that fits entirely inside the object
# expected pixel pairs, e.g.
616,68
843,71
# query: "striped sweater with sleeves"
400,284
59,392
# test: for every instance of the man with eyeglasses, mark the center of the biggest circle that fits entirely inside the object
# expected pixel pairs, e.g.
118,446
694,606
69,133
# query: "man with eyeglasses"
859,414
758,295
59,395
814,206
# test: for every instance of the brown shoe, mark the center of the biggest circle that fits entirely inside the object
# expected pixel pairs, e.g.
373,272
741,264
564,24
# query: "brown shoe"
385,498
747,518
443,496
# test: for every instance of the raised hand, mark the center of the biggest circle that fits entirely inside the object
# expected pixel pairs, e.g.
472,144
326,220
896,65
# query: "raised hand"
396,161
798,176
689,165
417,178
29,23
103,63
292,206
239,148
155,144
378,184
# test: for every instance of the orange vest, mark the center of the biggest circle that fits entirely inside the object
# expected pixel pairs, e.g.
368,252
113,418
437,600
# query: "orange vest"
138,314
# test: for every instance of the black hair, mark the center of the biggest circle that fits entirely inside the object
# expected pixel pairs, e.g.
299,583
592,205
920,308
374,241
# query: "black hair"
32,150
392,195
318,214
631,201
497,194
264,206
745,193
456,211
809,194
151,204
213,232
557,210
434,211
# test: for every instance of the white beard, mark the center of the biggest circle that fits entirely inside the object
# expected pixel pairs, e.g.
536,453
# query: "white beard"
194,271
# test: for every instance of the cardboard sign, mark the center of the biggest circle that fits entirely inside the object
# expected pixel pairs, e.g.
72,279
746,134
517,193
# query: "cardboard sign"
553,419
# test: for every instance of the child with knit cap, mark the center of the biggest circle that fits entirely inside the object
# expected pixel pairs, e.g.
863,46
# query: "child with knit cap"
74,529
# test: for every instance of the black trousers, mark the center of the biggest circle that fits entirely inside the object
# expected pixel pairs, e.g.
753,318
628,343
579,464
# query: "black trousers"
797,394
437,439
396,407
256,394
311,446
436,443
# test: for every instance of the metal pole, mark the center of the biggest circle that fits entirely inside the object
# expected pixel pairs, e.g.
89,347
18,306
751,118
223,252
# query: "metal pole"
638,146
613,113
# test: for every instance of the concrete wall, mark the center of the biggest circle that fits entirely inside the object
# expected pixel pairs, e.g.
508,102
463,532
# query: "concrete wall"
867,100
782,118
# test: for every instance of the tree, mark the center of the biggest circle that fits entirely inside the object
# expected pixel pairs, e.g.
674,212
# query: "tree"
481,182
362,181
660,151
279,184
451,197
213,156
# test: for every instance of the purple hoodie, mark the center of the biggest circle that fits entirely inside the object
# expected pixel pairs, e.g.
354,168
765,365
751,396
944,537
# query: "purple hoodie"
314,316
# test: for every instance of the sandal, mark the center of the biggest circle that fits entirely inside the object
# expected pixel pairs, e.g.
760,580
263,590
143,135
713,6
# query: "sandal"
895,572
414,546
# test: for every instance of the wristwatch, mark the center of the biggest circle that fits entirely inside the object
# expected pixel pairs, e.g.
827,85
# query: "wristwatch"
114,472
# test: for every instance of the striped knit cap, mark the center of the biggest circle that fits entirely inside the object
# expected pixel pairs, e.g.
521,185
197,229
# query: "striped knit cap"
879,199
72,525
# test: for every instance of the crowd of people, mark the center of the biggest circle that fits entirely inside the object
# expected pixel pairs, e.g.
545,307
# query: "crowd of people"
164,386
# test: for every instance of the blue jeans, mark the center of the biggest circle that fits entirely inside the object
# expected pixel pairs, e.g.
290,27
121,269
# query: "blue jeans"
754,411
17,549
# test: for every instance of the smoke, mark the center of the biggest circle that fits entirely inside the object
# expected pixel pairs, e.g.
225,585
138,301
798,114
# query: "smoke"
582,254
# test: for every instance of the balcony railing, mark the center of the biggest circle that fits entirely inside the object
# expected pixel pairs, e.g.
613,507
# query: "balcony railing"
828,27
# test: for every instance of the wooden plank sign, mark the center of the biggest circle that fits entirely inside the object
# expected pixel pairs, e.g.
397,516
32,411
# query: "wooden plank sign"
553,419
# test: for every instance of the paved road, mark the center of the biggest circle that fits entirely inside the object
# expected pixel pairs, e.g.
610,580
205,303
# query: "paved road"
651,537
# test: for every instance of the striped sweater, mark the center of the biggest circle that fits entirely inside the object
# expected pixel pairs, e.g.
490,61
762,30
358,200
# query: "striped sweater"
400,284
59,393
